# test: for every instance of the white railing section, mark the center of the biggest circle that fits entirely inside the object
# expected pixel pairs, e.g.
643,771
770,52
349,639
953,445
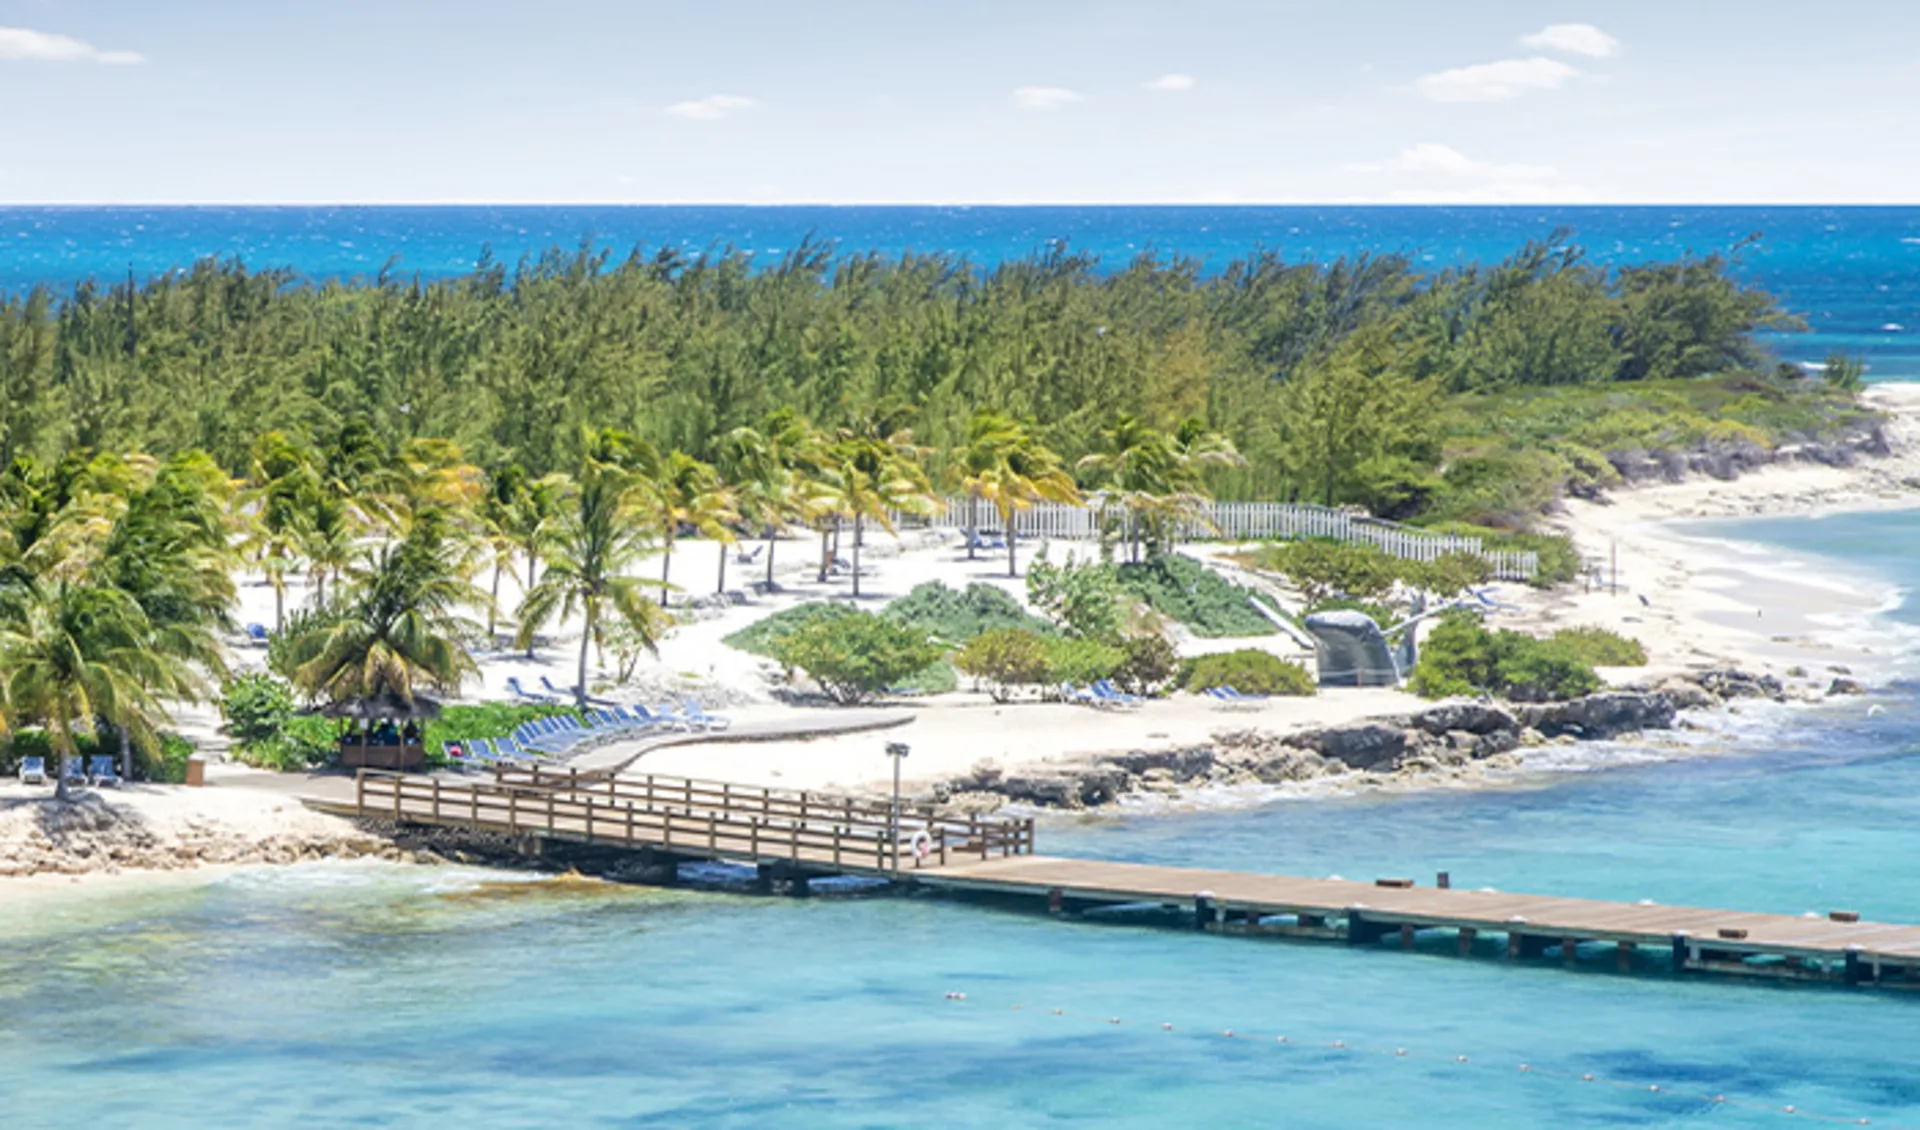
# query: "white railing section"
1248,521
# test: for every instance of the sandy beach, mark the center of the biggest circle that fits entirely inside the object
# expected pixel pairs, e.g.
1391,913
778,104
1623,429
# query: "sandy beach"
1695,601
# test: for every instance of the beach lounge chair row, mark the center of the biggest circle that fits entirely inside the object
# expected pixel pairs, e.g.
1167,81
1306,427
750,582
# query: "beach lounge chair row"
548,739
1230,697
97,770
1101,693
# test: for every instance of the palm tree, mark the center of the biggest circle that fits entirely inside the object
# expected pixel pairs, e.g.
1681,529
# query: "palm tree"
689,492
873,470
987,434
506,491
399,624
1013,470
285,484
761,488
1132,470
76,656
598,537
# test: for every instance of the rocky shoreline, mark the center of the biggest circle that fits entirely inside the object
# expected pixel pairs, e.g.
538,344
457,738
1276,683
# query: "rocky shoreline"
1447,740
93,834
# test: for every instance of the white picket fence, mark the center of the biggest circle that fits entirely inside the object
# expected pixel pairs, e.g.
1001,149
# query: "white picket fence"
1248,521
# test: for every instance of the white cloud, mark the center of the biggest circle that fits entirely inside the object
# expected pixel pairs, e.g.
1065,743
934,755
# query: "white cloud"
1573,39
1174,82
711,108
1046,97
19,43
1496,82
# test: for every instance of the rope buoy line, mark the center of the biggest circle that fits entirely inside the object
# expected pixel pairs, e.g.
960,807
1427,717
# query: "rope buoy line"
1280,1040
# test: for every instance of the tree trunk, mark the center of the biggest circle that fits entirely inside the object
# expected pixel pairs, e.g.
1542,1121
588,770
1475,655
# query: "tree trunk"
279,605
973,522
126,756
722,589
319,588
580,686
1012,569
856,555
826,558
666,563
773,536
493,609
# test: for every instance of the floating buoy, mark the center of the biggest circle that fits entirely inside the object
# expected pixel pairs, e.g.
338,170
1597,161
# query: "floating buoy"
1460,1059
1586,1078
1228,1033
1166,1027
1399,1051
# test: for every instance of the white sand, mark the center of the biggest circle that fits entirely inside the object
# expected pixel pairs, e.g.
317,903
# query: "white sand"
1707,603
1711,602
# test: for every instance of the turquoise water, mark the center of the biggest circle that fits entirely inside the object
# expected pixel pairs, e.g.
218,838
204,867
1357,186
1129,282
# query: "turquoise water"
364,995
1849,271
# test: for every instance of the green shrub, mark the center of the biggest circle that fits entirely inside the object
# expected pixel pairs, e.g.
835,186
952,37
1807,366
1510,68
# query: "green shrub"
1182,589
1147,664
1461,657
281,658
1006,658
953,617
1081,661
1083,597
256,707
484,720
1600,647
1448,575
1534,670
934,678
170,767
1324,569
758,637
1250,671
855,655
304,741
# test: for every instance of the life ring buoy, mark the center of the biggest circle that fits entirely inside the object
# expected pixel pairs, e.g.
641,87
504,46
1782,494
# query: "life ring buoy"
920,844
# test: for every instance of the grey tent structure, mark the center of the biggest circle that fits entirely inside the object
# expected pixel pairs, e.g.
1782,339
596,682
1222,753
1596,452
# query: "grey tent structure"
1352,651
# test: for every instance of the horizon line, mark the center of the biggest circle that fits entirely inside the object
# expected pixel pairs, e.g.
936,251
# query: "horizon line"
477,203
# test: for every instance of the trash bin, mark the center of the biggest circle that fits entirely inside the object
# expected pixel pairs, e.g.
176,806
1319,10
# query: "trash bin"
196,771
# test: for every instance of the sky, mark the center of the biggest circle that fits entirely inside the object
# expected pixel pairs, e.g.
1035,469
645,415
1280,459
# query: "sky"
960,101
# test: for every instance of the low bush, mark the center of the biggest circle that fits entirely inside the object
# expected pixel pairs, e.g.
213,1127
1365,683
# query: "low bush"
1182,589
1461,657
758,637
1082,597
855,655
484,720
1147,664
1250,671
1324,570
256,707
1006,659
954,617
1602,647
1081,661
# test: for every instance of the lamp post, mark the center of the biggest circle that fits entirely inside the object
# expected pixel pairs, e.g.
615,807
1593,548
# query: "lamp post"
897,751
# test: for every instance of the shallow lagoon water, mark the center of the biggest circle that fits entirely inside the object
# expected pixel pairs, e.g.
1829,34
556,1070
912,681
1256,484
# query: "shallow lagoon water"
371,995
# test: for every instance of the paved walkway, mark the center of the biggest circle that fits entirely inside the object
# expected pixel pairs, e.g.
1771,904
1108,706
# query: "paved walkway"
617,755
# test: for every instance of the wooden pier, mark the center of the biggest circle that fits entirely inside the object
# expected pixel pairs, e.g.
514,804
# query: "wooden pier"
794,836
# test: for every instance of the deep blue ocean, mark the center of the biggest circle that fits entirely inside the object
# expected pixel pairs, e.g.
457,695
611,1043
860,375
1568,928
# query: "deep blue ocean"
1853,273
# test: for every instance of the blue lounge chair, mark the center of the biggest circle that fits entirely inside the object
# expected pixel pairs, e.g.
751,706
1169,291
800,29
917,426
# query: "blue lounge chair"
72,771
513,684
33,770
1109,695
662,718
694,713
100,770
506,749
1236,696
1079,696
257,633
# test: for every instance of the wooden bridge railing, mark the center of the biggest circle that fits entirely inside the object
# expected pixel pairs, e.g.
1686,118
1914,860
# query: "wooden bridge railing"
698,818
